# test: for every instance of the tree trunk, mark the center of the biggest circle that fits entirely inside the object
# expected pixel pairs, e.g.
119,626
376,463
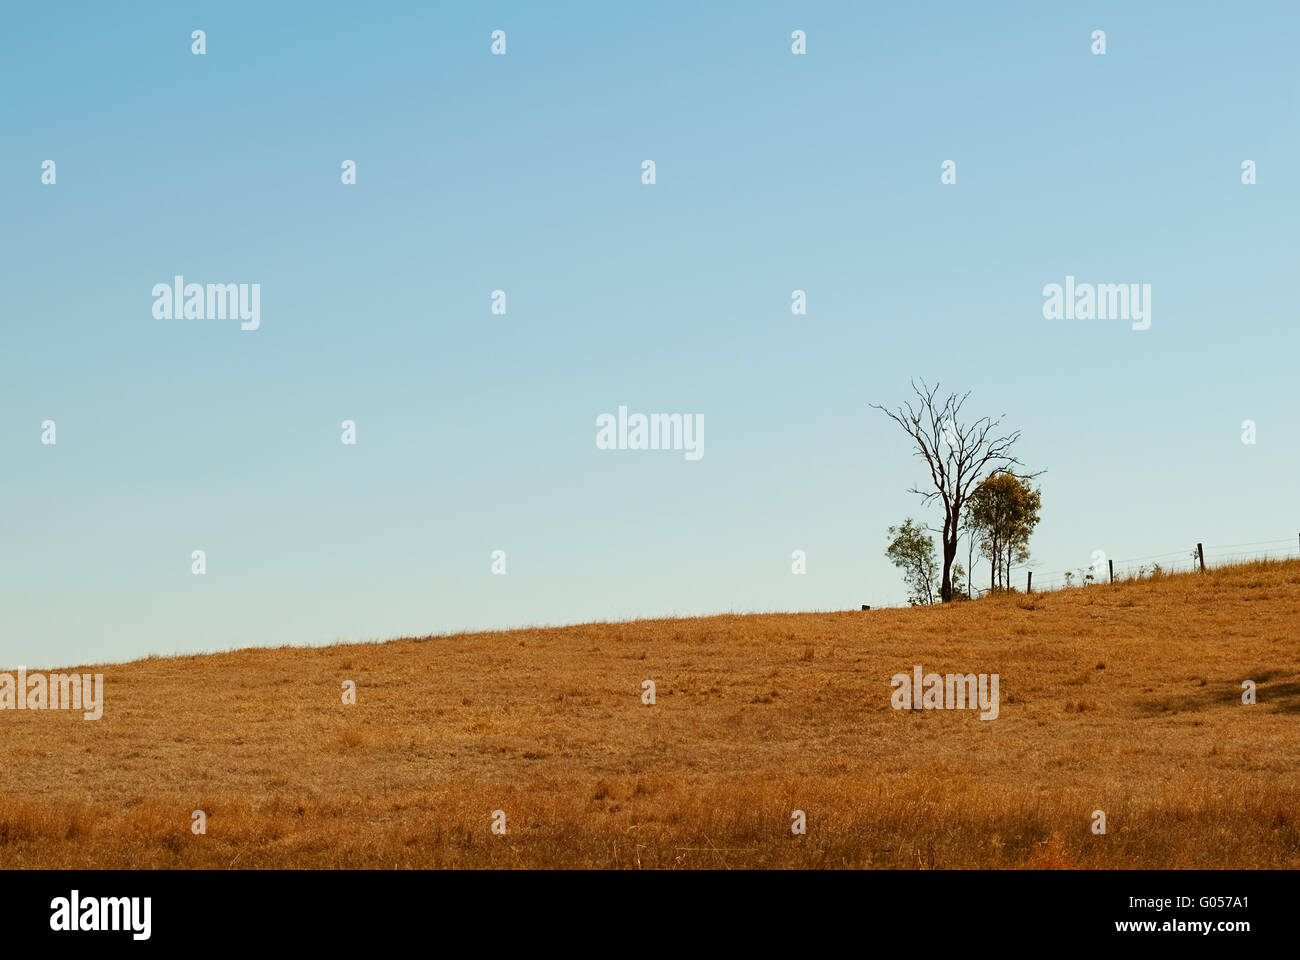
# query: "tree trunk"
949,554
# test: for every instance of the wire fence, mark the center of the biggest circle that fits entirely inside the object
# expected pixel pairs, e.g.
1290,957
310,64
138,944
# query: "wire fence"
1197,556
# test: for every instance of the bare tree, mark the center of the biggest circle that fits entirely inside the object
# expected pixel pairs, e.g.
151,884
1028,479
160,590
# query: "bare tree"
958,456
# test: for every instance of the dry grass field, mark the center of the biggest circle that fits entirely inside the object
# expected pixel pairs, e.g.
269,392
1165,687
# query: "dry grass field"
1124,698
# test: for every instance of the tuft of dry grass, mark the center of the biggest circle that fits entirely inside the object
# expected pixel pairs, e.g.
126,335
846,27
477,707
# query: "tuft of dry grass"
1122,697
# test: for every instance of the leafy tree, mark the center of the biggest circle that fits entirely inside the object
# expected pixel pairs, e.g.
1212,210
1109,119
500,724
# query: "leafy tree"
960,591
972,538
912,551
1003,511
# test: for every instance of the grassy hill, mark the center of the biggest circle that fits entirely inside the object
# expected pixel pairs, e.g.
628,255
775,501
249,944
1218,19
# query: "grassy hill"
1124,698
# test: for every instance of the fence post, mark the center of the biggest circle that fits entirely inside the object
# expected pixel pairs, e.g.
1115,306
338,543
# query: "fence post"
1200,553
1029,585
1112,570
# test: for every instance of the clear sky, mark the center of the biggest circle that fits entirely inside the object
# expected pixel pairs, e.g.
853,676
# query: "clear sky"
523,172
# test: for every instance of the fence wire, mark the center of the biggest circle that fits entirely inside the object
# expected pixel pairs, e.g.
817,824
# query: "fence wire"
1186,560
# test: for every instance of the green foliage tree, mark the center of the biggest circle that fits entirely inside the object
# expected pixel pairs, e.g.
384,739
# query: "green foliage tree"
972,535
912,551
960,591
1004,509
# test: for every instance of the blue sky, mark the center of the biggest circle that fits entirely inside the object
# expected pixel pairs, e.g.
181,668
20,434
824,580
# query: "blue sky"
522,172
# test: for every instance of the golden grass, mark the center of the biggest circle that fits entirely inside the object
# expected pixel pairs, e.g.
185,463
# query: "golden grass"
1121,697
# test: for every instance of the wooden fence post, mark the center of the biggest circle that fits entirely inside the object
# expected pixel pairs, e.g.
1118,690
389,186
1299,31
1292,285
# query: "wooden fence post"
1029,585
1112,570
1200,553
